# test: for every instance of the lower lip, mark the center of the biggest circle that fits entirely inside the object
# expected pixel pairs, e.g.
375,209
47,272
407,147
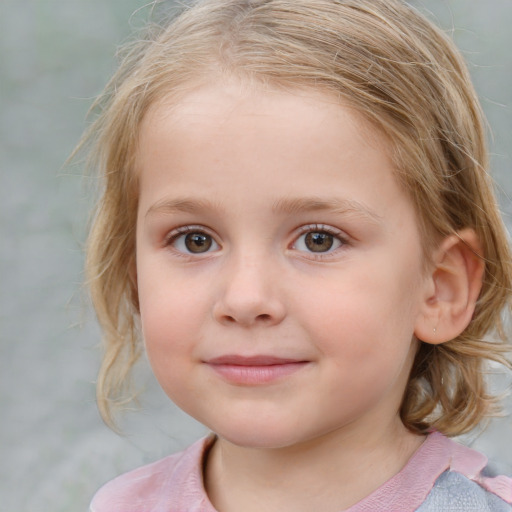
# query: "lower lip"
258,374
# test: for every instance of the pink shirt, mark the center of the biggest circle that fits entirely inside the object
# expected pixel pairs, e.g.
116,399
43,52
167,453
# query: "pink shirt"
175,483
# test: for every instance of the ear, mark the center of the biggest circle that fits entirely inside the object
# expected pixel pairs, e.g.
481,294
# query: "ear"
452,288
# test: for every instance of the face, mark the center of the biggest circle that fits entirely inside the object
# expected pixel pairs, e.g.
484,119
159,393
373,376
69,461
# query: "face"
279,265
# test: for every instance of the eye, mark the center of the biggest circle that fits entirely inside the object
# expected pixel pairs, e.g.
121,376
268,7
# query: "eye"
193,241
318,240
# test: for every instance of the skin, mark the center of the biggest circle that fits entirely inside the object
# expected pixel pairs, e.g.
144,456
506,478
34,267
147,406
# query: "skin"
253,172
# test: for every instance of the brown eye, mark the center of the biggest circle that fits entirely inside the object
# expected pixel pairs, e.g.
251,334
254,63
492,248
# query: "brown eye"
192,241
318,241
198,242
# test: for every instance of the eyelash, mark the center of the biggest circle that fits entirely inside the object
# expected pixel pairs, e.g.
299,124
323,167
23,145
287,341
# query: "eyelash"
339,235
175,235
182,231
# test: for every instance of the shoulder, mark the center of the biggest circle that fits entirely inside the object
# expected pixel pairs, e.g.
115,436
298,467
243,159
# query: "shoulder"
442,476
168,484
467,483
454,491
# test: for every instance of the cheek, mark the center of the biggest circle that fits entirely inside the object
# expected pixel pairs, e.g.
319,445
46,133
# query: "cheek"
367,313
168,333
170,317
174,310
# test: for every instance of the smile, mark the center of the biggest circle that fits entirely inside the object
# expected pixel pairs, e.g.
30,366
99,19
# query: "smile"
254,370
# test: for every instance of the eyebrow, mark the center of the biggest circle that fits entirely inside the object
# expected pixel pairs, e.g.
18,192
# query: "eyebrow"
335,205
289,206
183,205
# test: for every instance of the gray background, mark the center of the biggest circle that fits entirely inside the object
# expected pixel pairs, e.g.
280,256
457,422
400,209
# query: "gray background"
55,56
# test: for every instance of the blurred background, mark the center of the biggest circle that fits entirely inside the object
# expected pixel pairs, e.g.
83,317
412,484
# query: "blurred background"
55,56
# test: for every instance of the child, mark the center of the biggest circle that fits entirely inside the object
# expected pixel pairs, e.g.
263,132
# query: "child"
298,223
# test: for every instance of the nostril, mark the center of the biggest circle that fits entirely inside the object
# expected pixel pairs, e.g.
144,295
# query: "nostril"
248,313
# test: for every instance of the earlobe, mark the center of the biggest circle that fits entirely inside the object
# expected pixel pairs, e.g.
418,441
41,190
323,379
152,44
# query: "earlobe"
452,288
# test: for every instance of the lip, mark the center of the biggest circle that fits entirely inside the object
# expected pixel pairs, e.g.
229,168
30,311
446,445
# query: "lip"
254,370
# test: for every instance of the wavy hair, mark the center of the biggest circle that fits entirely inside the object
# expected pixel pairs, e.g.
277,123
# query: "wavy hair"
397,70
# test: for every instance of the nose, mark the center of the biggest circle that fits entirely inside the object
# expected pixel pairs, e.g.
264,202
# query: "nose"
249,294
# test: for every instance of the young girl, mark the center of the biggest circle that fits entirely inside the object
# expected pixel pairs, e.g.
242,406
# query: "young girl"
298,224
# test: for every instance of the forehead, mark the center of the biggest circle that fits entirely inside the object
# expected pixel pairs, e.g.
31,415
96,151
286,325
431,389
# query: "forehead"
228,102
252,148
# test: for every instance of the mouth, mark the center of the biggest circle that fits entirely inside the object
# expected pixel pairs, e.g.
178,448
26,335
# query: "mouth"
254,370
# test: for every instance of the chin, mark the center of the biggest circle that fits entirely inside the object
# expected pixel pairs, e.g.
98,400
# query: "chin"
257,440
269,436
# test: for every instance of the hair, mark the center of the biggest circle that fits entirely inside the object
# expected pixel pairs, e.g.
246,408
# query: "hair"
381,58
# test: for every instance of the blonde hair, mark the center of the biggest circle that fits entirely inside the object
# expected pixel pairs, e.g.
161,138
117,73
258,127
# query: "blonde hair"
381,58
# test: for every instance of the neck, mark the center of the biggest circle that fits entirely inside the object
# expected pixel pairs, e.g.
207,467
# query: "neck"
338,470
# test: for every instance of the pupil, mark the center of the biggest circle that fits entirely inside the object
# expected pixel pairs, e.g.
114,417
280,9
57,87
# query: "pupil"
198,242
319,242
